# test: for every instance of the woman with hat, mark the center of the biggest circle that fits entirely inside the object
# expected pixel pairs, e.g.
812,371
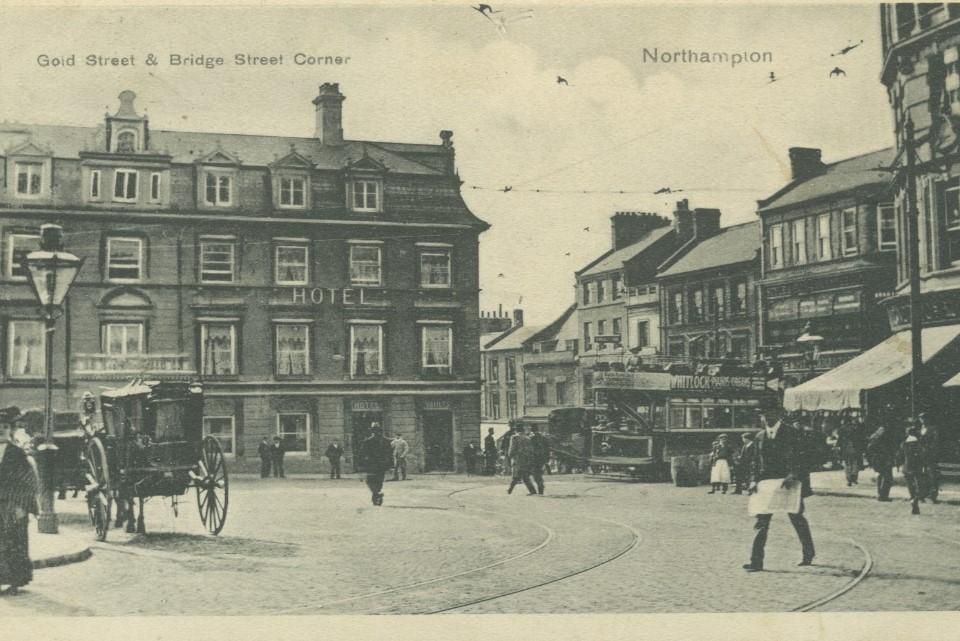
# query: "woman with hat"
18,499
720,459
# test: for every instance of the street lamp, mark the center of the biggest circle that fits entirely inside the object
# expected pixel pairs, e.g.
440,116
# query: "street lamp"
52,271
810,344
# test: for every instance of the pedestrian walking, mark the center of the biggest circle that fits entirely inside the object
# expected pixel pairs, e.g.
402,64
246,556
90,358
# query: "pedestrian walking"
470,455
541,456
850,443
814,452
720,458
777,457
505,441
880,454
930,451
265,453
400,451
520,455
910,459
334,453
277,450
743,462
490,453
376,457
18,499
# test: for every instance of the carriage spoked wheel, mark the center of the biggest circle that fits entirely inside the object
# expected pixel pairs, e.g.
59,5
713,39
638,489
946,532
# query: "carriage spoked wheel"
99,499
212,485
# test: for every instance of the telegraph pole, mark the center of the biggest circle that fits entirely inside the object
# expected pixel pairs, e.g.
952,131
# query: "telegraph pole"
913,257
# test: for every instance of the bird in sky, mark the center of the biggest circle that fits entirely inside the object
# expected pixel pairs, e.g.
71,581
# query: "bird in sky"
847,49
562,81
502,19
500,275
773,77
586,229
567,254
666,190
507,188
837,71
485,9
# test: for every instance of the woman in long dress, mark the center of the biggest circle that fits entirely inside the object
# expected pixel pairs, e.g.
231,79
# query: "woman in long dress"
720,459
18,499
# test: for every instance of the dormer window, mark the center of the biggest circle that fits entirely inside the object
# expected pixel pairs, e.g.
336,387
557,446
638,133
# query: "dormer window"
218,189
126,142
29,179
292,191
365,195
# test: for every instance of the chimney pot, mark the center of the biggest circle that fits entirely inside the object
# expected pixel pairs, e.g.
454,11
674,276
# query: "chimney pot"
517,317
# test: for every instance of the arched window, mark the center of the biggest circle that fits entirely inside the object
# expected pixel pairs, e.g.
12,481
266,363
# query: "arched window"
126,142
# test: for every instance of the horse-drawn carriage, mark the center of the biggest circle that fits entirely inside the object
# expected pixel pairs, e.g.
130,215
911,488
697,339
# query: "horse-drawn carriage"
150,444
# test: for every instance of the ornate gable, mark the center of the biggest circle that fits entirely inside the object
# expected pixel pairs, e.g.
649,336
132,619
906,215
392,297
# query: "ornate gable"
293,160
219,157
28,148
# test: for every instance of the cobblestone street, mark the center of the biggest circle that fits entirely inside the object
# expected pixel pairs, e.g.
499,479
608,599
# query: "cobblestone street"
452,544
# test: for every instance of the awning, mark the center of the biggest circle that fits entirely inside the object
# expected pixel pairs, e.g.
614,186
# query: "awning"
953,382
841,387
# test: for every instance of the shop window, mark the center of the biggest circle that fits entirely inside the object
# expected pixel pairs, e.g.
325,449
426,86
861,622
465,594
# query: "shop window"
217,260
25,352
291,264
18,246
365,264
29,177
436,349
292,349
123,339
218,344
124,259
293,428
366,350
223,429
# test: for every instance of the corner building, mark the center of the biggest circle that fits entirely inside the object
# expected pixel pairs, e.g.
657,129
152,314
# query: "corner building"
315,285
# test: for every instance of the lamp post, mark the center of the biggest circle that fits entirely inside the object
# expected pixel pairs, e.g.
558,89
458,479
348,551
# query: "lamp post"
52,271
810,344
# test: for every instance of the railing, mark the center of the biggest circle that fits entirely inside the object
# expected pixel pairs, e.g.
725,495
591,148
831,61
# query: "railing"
124,365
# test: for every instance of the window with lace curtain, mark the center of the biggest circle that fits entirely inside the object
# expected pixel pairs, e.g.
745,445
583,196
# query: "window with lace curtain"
366,350
218,349
292,349
436,348
25,353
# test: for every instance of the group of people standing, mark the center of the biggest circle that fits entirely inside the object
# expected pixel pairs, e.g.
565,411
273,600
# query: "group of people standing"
528,456
271,457
916,452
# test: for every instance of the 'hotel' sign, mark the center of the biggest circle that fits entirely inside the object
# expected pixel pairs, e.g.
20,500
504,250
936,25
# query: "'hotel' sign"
331,295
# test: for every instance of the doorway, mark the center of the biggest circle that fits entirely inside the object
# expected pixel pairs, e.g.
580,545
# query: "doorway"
360,423
438,441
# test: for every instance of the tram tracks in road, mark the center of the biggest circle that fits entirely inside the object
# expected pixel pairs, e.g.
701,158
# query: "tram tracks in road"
833,596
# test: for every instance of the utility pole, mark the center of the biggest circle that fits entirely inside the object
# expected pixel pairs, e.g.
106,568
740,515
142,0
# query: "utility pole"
913,257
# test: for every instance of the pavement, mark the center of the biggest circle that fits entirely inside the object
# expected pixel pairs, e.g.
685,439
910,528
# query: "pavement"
834,483
70,545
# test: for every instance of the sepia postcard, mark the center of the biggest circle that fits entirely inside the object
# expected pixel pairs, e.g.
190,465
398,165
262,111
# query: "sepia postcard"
524,320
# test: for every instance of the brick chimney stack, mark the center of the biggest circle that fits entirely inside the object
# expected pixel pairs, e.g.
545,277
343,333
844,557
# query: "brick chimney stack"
683,221
706,222
805,163
329,105
627,227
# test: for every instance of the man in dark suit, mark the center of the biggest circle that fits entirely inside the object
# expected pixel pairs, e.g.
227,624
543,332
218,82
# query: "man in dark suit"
334,453
490,453
376,457
776,455
541,454
277,451
930,452
266,456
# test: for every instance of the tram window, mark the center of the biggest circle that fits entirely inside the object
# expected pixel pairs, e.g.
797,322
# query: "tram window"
678,417
695,417
718,417
747,418
658,416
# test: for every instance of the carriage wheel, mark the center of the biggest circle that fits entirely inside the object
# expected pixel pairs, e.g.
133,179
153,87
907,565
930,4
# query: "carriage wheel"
212,485
99,499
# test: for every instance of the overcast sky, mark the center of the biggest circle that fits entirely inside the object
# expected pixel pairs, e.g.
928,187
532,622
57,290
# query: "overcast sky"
719,132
